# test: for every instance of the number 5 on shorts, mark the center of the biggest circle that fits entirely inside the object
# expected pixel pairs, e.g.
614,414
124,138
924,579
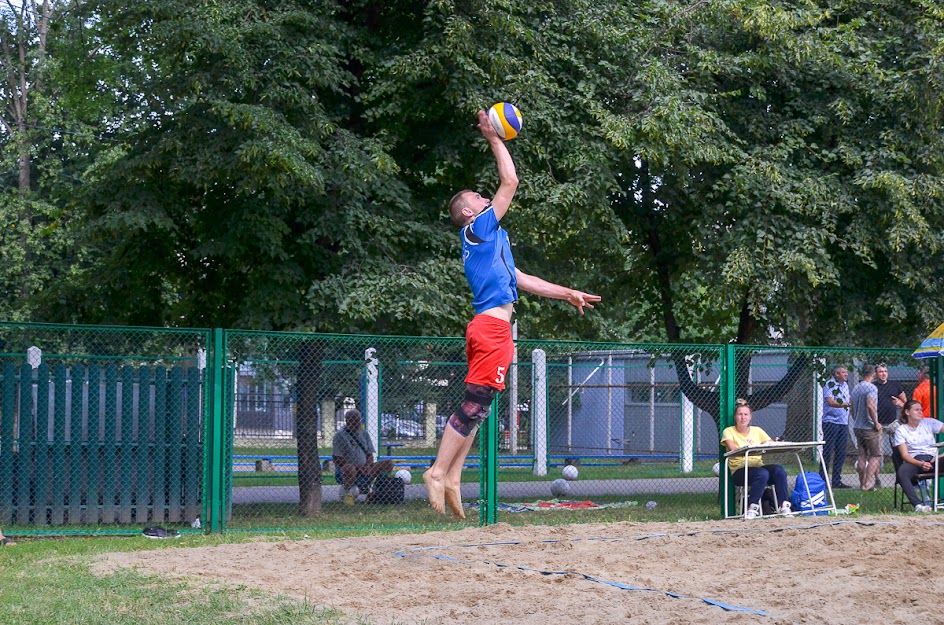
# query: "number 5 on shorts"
501,375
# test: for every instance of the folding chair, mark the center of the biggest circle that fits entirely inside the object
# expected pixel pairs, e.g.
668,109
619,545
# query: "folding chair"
922,481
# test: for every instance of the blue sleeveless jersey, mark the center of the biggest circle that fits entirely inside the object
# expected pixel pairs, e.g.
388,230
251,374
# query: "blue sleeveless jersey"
489,266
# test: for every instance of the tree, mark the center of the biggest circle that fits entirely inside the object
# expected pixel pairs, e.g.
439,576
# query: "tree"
735,161
24,29
41,154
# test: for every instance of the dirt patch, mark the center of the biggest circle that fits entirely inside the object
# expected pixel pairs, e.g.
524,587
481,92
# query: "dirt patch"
803,570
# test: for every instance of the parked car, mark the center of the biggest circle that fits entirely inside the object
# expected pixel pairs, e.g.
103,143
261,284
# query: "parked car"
394,426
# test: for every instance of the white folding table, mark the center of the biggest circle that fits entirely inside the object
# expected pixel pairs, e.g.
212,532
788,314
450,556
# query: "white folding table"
775,447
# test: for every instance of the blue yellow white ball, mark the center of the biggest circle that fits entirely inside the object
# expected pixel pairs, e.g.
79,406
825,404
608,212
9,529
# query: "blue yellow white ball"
506,120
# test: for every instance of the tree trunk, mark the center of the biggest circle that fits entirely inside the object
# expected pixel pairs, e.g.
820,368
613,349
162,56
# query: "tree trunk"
23,166
306,430
709,401
799,426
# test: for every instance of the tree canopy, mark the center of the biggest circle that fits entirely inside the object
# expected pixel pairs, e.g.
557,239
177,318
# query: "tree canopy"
717,170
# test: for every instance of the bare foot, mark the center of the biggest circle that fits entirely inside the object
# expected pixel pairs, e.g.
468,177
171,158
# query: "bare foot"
436,494
454,500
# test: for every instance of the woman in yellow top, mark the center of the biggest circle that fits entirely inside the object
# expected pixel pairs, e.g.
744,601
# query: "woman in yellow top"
759,475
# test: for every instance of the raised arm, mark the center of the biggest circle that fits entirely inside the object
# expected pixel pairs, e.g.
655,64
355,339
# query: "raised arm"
507,177
533,284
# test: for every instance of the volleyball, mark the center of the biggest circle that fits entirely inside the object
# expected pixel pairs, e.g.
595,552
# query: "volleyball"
506,120
405,476
570,472
560,488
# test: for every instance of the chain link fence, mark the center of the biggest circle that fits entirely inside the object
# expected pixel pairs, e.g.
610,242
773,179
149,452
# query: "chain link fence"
109,429
101,426
290,393
788,389
610,435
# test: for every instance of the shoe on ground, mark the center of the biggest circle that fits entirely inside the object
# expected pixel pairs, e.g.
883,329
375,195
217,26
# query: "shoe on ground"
786,509
159,532
923,509
841,485
753,511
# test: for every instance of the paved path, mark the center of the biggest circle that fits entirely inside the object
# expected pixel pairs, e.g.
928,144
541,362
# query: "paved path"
506,490
520,490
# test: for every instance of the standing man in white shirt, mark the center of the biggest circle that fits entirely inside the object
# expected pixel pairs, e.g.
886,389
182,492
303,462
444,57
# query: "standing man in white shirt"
836,424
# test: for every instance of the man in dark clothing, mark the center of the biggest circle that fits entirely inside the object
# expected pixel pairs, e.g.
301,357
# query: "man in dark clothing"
891,397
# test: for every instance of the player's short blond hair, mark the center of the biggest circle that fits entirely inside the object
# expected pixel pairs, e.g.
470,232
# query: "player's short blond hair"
456,204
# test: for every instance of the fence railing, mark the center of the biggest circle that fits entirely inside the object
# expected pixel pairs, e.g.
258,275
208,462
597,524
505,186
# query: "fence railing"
232,430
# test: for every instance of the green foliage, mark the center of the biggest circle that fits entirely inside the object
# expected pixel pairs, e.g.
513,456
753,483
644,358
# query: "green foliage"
716,170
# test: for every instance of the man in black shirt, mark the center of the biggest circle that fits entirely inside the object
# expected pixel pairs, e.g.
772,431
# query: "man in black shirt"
891,397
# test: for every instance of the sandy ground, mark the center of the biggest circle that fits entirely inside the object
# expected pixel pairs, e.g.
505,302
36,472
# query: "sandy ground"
802,570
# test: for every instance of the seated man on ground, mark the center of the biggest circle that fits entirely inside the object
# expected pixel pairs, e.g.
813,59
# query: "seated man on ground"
353,455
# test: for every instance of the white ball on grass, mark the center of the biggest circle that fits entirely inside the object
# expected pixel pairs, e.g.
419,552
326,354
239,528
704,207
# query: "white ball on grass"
405,476
560,488
717,468
570,472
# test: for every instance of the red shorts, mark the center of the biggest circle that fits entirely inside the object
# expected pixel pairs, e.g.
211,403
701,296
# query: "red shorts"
489,349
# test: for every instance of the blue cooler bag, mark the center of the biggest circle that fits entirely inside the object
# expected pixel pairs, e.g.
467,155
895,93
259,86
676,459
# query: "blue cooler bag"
809,496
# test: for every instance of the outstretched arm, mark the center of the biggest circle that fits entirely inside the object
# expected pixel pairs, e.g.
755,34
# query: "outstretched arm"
507,177
533,284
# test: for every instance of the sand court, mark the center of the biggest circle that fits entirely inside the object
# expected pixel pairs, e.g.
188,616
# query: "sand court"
798,570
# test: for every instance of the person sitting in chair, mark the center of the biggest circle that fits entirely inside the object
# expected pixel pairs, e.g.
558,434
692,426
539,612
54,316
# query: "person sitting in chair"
759,475
353,455
915,442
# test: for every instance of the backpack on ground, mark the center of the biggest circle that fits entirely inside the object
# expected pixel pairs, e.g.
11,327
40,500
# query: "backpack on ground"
809,495
386,489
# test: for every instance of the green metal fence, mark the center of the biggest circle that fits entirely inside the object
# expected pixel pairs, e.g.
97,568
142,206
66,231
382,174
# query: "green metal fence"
109,429
101,426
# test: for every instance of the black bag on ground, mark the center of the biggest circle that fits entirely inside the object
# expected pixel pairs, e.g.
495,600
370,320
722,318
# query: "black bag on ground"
768,503
386,489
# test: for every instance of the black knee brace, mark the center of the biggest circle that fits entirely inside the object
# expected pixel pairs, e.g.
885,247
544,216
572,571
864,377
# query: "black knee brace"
473,409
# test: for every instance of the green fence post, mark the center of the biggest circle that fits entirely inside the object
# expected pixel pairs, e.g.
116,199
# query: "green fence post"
483,479
141,451
42,447
936,375
159,512
728,396
215,441
110,456
174,444
7,417
193,465
24,456
93,498
488,467
491,468
125,467
74,471
59,469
